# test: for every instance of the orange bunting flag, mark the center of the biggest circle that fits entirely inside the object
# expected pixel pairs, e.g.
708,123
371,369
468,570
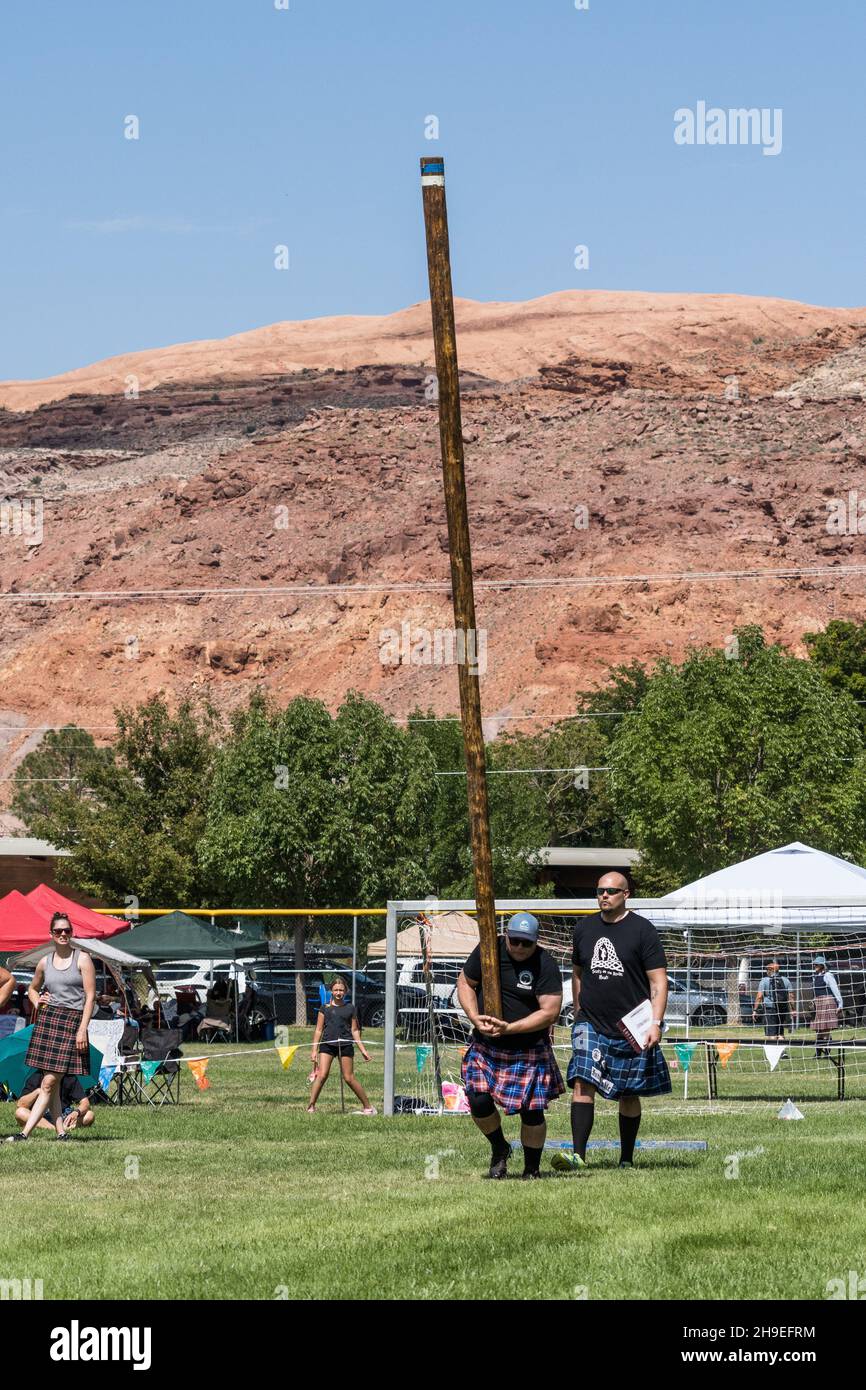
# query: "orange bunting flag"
726,1051
286,1054
198,1069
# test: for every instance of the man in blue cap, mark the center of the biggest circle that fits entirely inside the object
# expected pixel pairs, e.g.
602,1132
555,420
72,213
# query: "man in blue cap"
510,1062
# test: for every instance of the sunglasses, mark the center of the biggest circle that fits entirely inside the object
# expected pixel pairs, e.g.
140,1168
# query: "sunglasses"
61,931
519,941
600,892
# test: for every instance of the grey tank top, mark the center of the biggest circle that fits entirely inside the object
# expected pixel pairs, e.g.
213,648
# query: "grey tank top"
66,987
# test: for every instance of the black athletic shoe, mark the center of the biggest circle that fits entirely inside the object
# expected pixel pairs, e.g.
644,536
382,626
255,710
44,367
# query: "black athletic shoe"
16,1138
530,1173
499,1167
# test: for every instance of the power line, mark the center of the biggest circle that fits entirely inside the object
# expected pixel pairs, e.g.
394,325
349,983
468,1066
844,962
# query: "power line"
504,771
590,581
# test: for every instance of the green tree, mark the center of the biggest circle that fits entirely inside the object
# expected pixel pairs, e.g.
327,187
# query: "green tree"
307,810
135,814
724,759
518,816
47,778
840,653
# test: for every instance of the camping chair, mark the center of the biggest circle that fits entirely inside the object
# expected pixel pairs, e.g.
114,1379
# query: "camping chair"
106,1036
217,1024
128,1051
160,1045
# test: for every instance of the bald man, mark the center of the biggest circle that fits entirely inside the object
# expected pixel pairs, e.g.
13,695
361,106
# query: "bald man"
618,961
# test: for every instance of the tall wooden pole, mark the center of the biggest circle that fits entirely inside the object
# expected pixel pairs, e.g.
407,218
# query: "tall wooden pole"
451,437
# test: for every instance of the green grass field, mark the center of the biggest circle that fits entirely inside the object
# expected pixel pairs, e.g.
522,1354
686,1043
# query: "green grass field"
240,1194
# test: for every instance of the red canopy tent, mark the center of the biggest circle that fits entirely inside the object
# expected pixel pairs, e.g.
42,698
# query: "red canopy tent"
86,923
21,926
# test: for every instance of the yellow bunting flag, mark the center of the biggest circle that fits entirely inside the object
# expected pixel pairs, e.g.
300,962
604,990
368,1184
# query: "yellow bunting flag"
286,1054
198,1068
726,1051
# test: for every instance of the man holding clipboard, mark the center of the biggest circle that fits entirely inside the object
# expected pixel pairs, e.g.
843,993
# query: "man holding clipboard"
620,983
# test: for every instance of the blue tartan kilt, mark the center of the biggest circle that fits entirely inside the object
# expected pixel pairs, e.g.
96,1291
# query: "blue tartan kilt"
514,1079
613,1066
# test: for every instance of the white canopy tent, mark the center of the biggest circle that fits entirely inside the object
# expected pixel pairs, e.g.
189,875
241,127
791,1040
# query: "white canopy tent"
100,950
791,888
456,934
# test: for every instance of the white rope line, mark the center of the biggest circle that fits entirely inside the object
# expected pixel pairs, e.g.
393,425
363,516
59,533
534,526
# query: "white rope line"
803,1043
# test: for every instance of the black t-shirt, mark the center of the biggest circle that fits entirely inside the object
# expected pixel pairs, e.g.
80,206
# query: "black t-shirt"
521,982
338,1022
70,1088
613,958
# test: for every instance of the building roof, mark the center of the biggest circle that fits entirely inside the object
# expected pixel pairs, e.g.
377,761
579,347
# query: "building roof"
560,856
24,848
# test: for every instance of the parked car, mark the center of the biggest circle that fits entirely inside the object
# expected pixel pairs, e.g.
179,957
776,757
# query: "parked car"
278,984
175,974
444,971
705,1008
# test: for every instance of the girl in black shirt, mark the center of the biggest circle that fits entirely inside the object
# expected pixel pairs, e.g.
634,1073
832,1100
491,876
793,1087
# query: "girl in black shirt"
337,1029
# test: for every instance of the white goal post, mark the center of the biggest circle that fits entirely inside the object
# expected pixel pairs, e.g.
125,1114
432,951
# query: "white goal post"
719,956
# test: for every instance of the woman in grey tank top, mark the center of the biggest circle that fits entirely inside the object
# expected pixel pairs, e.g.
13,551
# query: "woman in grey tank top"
63,994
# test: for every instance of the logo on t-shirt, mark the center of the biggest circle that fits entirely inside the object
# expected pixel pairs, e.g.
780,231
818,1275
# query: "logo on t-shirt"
605,961
524,979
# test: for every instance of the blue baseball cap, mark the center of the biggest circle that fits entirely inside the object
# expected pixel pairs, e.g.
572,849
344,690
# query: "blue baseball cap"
523,927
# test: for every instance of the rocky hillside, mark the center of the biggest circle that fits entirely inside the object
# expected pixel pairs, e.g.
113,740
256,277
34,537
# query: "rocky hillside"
269,508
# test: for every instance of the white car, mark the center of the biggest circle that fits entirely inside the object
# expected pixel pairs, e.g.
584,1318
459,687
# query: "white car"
175,974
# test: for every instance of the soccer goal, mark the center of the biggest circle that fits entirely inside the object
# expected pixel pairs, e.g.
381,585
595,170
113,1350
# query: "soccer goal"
754,1011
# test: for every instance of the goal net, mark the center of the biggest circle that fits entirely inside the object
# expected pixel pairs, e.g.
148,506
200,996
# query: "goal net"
753,1013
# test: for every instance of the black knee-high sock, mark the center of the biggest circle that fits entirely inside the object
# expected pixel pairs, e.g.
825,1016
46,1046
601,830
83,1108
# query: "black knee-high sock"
582,1117
498,1143
628,1128
531,1159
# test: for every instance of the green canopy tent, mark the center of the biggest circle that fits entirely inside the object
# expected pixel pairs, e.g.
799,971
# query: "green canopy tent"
177,936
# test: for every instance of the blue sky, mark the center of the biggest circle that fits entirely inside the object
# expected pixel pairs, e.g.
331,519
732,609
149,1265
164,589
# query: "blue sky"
261,126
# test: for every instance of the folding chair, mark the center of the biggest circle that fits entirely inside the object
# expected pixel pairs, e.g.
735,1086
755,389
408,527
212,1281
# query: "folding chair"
217,1025
127,1049
160,1045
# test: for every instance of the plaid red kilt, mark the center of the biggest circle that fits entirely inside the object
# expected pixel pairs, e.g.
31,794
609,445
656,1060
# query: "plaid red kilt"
513,1079
826,1014
52,1045
613,1067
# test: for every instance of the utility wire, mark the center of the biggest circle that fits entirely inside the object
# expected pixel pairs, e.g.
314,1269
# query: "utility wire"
589,581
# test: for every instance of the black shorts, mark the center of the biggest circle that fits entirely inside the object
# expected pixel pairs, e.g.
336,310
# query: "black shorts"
336,1049
71,1091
